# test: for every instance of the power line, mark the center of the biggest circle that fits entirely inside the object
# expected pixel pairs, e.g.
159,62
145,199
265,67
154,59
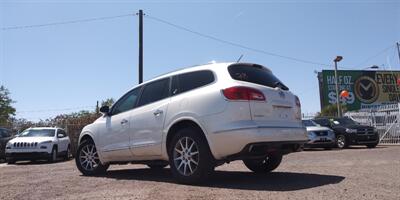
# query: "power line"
65,22
233,43
187,30
374,56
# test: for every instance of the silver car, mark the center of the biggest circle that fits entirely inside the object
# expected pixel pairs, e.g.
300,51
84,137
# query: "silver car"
195,119
319,136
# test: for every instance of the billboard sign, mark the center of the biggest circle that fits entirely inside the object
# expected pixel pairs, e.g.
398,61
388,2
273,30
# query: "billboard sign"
367,89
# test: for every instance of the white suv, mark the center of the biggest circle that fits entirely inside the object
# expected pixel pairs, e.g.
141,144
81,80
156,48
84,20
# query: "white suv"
38,143
195,119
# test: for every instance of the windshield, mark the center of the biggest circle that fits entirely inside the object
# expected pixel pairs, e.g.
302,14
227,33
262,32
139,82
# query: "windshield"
343,121
38,133
255,74
308,123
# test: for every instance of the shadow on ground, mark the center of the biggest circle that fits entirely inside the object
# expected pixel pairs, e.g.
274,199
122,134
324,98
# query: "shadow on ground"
38,162
275,181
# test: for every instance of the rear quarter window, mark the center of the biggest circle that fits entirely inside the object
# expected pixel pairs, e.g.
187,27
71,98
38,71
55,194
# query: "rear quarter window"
192,80
257,74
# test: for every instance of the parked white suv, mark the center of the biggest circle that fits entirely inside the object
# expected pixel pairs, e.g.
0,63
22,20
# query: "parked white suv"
195,119
38,143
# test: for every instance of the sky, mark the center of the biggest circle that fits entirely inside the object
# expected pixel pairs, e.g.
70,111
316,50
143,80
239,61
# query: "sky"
63,68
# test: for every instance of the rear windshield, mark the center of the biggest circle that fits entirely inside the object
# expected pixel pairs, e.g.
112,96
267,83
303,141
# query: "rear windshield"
308,123
255,74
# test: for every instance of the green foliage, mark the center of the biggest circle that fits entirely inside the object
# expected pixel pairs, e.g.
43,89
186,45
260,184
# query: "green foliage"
6,109
331,110
108,102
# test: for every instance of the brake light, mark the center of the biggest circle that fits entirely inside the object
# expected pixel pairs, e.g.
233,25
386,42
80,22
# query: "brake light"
298,102
243,93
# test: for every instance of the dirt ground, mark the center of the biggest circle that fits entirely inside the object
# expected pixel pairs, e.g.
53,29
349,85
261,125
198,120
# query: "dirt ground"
357,173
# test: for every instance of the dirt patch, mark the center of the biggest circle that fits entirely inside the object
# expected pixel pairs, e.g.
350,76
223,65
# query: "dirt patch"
356,173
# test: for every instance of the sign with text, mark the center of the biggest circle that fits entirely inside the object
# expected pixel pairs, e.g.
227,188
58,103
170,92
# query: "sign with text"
367,89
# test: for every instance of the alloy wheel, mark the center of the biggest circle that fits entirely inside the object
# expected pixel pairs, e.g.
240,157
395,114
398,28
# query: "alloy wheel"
186,156
68,154
341,141
54,155
88,157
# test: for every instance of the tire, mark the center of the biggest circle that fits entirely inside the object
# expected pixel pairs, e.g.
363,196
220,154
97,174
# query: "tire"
157,166
341,142
265,165
53,155
370,146
187,148
10,161
87,160
68,154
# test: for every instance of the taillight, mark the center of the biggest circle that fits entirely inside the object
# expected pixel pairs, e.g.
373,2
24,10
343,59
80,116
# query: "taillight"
243,93
298,102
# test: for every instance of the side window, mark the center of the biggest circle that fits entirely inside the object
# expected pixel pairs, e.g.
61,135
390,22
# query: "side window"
127,102
154,91
193,80
62,132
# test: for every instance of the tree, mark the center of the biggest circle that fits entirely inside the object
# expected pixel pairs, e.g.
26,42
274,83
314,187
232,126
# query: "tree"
6,109
331,110
108,102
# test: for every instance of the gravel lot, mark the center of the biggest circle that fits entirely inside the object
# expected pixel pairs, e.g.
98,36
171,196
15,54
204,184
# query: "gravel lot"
356,173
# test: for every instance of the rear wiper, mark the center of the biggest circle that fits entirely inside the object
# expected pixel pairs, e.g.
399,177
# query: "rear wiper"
280,85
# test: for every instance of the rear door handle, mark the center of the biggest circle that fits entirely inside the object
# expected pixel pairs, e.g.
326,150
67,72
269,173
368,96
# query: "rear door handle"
124,121
158,112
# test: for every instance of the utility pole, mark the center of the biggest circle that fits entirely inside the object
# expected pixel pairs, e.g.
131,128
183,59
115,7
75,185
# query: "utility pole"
140,46
398,49
339,110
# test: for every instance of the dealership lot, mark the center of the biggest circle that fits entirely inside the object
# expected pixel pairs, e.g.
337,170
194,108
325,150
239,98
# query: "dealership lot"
357,173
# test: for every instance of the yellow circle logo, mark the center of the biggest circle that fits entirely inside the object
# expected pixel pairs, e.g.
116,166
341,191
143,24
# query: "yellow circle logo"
366,89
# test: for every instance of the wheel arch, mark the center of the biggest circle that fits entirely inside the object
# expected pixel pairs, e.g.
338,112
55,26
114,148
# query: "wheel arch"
85,136
89,136
179,124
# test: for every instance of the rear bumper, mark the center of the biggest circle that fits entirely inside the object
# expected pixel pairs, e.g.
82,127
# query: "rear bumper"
260,150
27,156
227,144
320,145
321,142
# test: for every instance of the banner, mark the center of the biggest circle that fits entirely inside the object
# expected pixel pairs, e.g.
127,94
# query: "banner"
367,89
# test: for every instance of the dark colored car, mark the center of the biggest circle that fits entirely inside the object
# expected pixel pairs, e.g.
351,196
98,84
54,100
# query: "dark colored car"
348,132
5,136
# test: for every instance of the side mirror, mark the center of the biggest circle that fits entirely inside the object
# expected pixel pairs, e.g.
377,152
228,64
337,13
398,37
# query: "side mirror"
60,135
105,110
